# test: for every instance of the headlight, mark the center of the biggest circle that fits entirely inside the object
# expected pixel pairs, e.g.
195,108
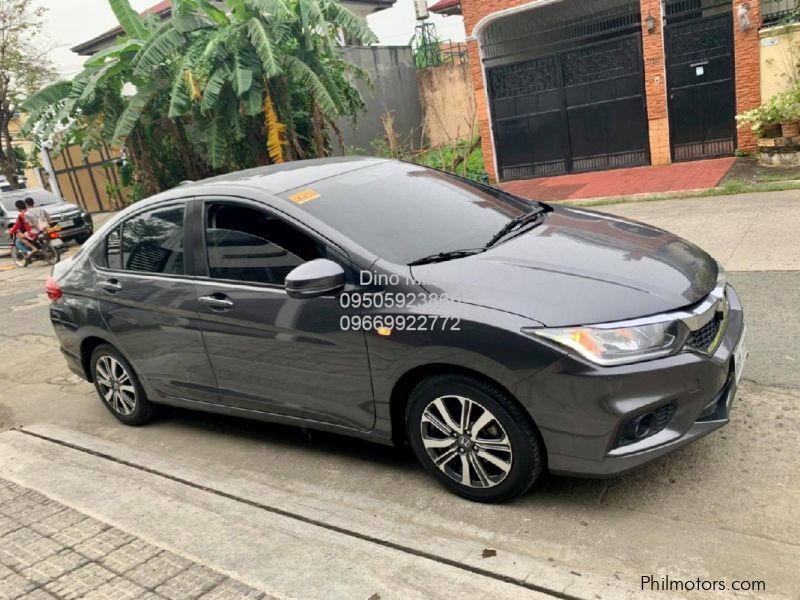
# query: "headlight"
610,345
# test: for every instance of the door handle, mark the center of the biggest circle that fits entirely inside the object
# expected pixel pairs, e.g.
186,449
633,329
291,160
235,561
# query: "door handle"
112,286
219,302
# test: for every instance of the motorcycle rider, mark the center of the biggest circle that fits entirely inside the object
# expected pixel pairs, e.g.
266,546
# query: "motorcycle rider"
21,232
37,217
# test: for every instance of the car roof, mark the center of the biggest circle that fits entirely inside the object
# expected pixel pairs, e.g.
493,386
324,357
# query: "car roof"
22,194
276,179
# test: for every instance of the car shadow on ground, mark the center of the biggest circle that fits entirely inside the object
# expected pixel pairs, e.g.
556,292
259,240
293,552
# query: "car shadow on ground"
400,459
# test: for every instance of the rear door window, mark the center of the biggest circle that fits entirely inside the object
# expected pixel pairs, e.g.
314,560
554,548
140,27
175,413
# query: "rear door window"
150,242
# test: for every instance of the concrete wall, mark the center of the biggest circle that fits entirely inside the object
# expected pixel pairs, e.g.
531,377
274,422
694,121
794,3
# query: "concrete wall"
448,102
394,89
780,55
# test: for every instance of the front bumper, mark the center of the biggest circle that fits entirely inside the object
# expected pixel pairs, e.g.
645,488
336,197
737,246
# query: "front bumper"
82,231
582,409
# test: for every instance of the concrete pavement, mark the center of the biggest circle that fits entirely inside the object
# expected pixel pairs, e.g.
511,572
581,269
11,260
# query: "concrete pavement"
748,232
316,515
49,551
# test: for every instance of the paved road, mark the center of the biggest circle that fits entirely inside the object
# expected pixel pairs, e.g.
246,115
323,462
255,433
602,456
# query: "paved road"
723,508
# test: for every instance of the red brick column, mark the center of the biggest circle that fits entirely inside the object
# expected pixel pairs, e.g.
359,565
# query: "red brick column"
655,83
482,110
474,11
747,50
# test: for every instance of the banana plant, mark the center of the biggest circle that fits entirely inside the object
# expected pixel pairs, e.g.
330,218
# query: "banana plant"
239,82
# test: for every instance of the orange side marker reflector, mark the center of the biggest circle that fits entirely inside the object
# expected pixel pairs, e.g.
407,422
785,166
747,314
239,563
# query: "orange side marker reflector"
384,331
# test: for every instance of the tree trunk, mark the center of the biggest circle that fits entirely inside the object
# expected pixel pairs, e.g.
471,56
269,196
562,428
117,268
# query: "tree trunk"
190,165
8,160
296,150
318,130
141,164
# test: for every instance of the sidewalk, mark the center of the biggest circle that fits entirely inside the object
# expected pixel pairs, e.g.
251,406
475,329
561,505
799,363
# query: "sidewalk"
677,177
48,550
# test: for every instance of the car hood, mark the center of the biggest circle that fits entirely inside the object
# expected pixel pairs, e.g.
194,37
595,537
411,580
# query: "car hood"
579,267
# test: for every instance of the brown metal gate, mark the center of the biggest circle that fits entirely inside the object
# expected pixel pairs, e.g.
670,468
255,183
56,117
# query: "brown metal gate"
89,181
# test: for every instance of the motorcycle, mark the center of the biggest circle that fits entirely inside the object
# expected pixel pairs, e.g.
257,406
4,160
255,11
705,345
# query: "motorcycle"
48,248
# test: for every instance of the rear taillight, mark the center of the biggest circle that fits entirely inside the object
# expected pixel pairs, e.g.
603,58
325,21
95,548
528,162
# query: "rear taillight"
53,291
54,235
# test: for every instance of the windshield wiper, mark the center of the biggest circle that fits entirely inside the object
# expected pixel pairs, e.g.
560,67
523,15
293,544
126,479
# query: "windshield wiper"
517,223
445,256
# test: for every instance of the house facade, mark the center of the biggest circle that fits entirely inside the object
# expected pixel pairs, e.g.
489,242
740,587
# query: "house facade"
566,86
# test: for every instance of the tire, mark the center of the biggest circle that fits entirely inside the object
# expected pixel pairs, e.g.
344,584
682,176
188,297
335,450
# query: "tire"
17,258
126,400
81,239
51,254
504,456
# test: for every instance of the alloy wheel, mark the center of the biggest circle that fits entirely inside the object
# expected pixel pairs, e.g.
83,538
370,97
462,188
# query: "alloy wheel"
466,441
115,385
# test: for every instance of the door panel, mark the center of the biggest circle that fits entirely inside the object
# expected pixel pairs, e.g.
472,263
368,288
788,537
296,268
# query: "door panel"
278,355
272,353
154,316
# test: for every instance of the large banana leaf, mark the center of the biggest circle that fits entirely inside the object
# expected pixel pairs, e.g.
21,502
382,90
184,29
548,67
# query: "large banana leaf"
301,73
262,43
164,44
350,23
133,112
213,89
129,19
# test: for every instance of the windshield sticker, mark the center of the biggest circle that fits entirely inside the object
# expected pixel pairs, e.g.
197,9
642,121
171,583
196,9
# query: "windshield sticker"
305,196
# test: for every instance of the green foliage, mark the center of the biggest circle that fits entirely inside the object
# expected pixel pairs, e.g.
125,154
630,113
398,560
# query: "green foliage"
783,107
462,158
202,81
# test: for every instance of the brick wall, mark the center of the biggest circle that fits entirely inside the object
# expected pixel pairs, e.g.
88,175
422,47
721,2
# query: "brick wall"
482,110
748,68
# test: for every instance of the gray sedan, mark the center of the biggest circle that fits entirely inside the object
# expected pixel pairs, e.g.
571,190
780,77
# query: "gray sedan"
379,299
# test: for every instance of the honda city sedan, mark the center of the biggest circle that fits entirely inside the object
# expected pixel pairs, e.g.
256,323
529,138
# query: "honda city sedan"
498,337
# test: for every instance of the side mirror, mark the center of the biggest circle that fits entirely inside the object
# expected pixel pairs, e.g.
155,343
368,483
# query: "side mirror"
314,279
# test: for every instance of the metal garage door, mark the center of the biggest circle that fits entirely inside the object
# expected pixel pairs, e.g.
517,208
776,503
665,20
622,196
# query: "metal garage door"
578,110
700,76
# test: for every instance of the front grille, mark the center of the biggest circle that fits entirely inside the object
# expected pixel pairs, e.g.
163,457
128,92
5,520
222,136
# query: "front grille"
702,338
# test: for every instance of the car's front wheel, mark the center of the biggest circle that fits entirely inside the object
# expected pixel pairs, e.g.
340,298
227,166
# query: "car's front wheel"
118,387
473,438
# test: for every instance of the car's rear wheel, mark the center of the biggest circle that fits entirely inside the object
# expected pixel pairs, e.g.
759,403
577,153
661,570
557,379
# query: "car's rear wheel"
473,438
118,387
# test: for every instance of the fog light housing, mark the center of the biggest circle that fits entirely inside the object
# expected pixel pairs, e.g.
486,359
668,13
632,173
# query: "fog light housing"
646,425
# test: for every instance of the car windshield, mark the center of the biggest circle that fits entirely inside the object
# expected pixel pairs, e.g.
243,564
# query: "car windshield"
40,198
403,212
